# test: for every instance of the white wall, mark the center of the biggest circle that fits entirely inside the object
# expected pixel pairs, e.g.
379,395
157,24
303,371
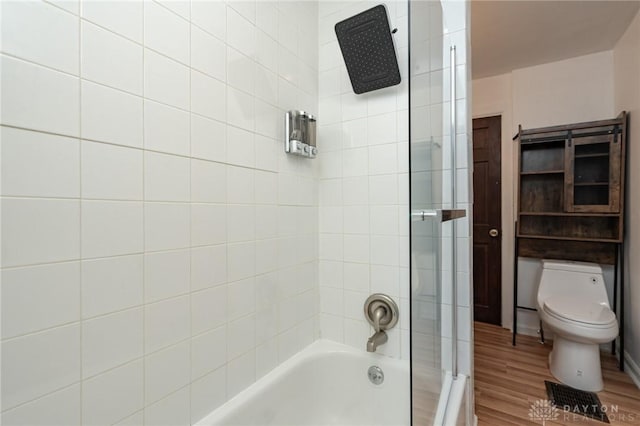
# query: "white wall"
573,90
364,189
627,97
569,91
158,247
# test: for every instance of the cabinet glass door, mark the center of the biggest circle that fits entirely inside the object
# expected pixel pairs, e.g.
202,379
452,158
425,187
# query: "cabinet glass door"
593,181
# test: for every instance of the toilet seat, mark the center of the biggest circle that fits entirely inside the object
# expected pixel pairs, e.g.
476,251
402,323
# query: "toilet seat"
587,313
573,304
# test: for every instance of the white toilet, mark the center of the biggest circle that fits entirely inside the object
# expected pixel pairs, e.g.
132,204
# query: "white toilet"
573,304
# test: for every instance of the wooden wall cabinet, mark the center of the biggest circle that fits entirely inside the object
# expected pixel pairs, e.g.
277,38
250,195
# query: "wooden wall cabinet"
571,190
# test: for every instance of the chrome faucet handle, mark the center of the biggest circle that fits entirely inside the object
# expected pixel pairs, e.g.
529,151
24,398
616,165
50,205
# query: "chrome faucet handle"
381,312
378,315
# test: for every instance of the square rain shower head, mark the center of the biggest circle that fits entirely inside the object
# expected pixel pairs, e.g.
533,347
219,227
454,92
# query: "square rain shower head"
368,51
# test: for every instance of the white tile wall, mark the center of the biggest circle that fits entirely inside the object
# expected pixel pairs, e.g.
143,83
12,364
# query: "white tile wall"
363,189
166,80
26,377
38,230
56,44
109,115
111,228
124,18
111,172
38,98
111,284
61,407
166,129
166,371
166,274
143,182
111,340
166,32
208,96
27,168
210,389
57,287
110,59
172,410
114,395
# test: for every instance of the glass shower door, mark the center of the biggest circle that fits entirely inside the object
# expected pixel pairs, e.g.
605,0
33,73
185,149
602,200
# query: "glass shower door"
432,146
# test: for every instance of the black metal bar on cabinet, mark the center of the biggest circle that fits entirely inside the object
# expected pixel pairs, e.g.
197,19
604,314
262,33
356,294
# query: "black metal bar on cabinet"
615,294
621,255
515,284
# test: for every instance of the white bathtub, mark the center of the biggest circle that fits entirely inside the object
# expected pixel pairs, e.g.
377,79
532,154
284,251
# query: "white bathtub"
325,384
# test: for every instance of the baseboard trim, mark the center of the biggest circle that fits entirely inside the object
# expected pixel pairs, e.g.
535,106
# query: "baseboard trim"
632,369
528,330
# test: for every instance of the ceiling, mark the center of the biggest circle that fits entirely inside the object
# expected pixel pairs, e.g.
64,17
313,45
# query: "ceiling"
508,35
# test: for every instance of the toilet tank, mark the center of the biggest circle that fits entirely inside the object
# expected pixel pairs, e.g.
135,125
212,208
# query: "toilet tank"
579,280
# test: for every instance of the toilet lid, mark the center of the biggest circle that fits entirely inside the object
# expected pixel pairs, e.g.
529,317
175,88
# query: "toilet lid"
573,310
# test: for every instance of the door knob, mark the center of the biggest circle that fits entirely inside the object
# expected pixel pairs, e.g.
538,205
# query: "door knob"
493,232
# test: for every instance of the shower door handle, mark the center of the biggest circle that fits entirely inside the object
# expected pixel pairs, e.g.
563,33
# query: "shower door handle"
441,215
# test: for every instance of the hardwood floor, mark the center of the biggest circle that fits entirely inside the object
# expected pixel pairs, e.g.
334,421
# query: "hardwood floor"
508,380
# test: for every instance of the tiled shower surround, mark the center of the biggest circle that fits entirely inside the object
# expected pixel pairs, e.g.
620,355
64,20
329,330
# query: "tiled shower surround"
159,249
364,189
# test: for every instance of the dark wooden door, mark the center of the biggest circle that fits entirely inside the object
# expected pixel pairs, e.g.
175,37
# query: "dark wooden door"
487,231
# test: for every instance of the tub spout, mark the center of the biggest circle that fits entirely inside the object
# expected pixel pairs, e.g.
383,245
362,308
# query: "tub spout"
379,338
